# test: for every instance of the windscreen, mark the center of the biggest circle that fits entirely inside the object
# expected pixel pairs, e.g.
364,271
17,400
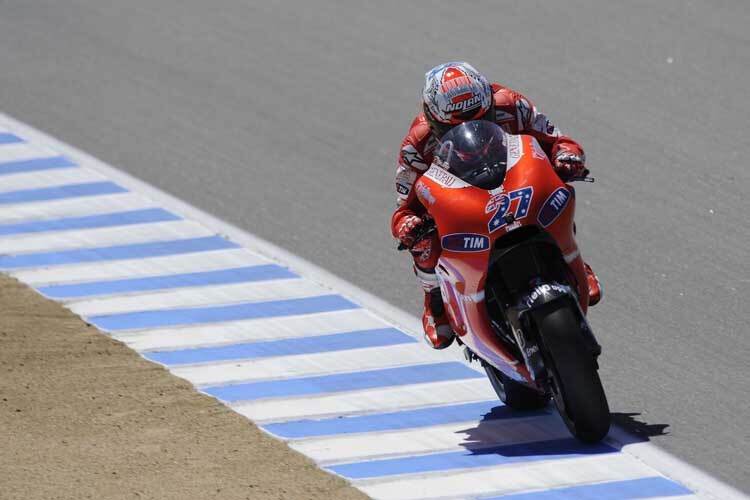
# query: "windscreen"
475,152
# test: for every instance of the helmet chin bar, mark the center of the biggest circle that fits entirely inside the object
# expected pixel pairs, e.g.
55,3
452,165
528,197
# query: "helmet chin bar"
439,129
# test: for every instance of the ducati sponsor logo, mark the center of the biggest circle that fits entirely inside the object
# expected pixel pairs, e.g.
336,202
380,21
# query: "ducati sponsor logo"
402,189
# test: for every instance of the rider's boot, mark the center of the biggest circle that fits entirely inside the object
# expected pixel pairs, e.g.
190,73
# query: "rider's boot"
437,330
595,289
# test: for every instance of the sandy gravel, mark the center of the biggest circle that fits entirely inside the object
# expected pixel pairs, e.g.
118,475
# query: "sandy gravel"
83,416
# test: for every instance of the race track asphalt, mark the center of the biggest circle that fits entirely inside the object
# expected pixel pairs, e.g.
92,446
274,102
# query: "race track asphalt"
285,118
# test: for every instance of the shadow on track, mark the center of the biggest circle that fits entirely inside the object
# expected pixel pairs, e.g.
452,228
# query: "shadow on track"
491,441
642,430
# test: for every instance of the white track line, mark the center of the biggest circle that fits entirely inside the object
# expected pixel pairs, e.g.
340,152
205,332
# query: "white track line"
303,365
253,330
87,238
25,151
439,438
48,178
382,400
513,478
139,268
73,207
203,296
680,497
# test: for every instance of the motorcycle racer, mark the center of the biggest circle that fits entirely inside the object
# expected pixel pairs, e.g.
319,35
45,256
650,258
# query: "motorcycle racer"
453,93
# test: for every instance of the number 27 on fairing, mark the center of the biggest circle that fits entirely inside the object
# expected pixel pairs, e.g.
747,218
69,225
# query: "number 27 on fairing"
501,204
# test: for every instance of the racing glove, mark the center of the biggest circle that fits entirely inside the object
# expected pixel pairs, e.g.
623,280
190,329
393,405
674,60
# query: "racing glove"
408,229
569,165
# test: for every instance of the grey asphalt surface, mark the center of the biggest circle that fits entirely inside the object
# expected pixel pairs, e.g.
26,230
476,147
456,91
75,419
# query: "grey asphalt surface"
285,118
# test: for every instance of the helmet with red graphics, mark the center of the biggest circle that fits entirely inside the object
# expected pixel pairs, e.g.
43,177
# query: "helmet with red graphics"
453,93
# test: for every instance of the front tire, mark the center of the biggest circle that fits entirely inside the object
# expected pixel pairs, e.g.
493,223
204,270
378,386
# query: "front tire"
514,394
576,387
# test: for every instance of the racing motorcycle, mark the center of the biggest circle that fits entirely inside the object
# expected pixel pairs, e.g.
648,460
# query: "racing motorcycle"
510,272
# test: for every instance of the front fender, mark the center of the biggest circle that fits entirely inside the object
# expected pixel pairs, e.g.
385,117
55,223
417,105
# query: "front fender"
546,295
521,319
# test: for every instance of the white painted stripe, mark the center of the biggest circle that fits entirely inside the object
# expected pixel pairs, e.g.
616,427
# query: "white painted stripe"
24,151
305,365
48,178
139,268
306,325
570,257
73,207
199,296
380,400
102,237
511,478
439,438
681,497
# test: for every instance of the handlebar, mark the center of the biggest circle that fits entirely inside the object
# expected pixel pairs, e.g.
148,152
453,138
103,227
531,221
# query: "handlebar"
581,178
584,178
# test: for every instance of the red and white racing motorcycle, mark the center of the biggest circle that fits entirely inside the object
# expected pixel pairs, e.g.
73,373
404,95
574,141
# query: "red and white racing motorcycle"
511,275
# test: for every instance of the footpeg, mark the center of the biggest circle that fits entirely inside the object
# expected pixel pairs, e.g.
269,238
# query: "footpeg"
469,355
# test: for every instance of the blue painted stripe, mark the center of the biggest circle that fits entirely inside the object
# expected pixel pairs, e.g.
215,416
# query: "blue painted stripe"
118,252
235,312
264,272
469,459
90,221
404,375
408,419
33,165
288,347
8,138
61,192
647,487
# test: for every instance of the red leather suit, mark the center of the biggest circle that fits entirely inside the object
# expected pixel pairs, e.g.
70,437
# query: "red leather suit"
513,112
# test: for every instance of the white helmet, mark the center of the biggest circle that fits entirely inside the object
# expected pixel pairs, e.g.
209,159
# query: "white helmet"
453,93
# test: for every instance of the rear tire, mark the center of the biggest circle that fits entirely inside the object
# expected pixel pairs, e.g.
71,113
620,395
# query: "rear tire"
576,387
514,394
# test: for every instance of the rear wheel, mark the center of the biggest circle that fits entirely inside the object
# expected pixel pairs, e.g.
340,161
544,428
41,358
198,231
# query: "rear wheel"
576,387
514,394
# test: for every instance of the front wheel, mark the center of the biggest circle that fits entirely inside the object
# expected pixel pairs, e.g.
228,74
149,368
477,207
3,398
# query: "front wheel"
514,394
576,387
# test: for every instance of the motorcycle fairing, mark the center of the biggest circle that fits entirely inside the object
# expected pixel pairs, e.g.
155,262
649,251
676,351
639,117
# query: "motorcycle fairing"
460,208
